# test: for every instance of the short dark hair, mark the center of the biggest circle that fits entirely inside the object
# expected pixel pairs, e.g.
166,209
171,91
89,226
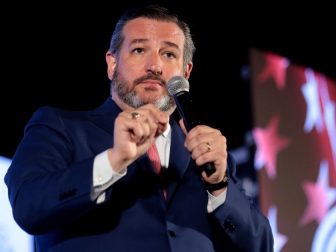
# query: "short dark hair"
155,12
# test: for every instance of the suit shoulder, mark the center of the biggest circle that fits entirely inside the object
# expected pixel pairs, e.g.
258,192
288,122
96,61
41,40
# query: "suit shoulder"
54,117
46,113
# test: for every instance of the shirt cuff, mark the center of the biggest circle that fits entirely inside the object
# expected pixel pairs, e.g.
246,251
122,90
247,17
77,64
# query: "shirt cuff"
103,176
214,202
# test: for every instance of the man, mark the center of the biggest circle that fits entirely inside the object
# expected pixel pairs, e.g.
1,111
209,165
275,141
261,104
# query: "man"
83,181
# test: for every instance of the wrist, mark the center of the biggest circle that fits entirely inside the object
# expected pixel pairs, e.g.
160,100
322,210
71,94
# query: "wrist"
218,186
117,165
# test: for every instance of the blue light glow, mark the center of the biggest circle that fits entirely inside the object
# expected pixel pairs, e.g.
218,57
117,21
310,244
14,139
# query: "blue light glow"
12,237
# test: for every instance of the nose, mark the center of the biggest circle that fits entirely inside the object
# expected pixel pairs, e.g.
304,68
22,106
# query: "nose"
154,64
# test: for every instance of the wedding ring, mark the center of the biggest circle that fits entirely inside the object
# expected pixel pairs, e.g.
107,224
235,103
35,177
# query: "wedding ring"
135,115
209,148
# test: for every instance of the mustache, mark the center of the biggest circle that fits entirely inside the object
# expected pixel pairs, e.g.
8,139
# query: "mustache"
150,76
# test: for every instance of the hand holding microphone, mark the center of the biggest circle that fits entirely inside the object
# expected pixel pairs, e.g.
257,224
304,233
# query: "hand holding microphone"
178,87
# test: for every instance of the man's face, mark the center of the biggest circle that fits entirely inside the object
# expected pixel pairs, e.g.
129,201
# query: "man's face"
151,53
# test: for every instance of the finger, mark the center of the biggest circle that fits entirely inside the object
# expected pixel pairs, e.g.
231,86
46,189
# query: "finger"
218,175
160,116
202,157
214,178
200,130
148,125
183,127
200,150
201,139
158,120
144,133
137,125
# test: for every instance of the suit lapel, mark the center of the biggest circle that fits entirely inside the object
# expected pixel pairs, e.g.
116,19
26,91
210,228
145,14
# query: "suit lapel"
105,115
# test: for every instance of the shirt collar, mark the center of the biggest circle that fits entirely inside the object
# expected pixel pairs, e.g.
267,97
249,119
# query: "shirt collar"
167,131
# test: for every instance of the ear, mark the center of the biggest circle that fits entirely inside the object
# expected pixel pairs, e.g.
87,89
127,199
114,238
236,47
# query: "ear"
188,70
111,63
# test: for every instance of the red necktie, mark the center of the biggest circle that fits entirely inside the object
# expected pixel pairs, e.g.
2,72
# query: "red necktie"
154,157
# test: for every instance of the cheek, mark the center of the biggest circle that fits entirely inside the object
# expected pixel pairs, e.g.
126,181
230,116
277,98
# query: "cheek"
131,69
175,72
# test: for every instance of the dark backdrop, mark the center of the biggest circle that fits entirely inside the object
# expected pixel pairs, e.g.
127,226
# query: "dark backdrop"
53,54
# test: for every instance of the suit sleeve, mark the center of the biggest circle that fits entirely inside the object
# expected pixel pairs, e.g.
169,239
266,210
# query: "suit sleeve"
46,187
241,221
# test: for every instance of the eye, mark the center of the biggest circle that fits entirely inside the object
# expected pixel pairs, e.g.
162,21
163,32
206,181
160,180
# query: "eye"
170,55
138,50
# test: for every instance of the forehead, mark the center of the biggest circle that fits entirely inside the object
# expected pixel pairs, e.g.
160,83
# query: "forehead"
150,29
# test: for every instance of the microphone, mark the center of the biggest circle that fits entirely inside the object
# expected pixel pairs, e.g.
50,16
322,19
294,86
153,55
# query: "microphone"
178,87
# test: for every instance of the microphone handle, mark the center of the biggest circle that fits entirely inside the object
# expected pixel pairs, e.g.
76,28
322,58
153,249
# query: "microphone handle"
209,168
183,102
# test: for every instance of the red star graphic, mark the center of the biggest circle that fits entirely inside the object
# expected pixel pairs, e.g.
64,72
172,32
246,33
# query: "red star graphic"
269,143
275,67
320,196
317,206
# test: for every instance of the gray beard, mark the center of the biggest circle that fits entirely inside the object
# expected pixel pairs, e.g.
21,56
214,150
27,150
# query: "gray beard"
120,87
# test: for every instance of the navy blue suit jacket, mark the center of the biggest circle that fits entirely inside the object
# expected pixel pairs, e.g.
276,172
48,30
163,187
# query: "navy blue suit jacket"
50,186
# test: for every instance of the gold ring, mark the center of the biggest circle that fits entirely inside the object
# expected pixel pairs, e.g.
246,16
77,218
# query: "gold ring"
135,115
209,148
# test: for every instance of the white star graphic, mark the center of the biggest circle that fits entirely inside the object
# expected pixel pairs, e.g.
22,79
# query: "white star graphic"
329,117
310,92
279,239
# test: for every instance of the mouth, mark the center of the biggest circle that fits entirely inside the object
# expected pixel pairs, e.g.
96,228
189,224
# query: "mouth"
150,79
151,82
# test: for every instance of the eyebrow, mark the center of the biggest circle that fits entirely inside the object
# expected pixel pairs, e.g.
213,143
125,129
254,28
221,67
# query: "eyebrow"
142,40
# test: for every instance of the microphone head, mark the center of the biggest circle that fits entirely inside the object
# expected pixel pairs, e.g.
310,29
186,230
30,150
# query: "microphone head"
177,84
